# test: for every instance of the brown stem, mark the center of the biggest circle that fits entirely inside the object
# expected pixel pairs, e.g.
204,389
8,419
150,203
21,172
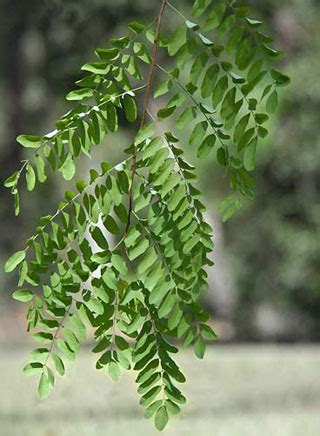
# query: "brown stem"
145,105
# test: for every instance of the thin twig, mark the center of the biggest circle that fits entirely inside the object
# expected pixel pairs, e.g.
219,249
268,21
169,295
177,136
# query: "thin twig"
145,107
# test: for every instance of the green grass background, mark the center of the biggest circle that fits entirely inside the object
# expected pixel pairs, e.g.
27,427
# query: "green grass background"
235,391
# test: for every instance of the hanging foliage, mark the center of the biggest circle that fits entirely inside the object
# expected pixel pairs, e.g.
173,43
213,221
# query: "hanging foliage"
141,293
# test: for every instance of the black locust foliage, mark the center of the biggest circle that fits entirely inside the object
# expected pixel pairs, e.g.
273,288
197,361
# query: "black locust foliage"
125,254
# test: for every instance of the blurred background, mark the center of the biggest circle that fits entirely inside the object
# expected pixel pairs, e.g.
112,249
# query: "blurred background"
262,377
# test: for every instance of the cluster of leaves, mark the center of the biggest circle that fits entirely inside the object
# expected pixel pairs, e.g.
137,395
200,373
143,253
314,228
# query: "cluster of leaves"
224,86
141,292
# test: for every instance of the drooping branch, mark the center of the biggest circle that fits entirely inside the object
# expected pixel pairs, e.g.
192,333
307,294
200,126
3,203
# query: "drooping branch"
156,287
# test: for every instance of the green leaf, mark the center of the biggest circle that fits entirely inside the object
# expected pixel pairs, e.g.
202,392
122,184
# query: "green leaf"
48,323
51,377
30,177
228,103
80,94
172,181
40,353
165,112
150,395
136,27
12,180
215,17
152,408
161,419
158,159
272,102
119,264
172,407
229,206
209,80
234,40
185,118
280,79
199,347
191,25
262,132
261,118
146,132
163,88
58,363
219,91
207,332
68,168
71,339
114,371
249,156
23,295
88,81
205,41
175,317
43,337
16,203
206,146
99,238
266,91
255,70
66,350
148,260
123,181
222,156
166,305
198,66
96,67
198,133
237,79
241,127
44,386
112,118
30,141
79,327
33,368
121,213
176,197
23,273
130,108
253,23
272,53
141,51
41,171
245,53
107,54
14,261
246,138
190,244
132,237
138,249
111,225
176,41
199,7
159,291
152,147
